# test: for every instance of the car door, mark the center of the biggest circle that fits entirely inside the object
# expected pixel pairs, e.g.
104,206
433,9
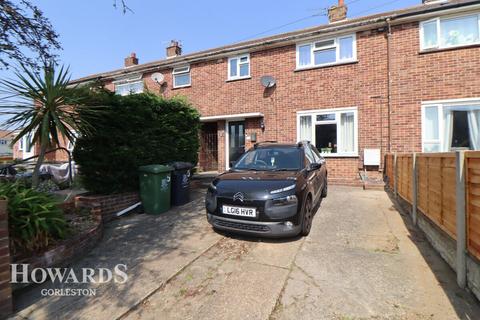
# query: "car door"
314,176
322,174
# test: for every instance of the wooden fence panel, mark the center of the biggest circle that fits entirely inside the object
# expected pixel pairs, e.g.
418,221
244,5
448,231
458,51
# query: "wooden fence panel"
404,175
389,158
436,189
472,174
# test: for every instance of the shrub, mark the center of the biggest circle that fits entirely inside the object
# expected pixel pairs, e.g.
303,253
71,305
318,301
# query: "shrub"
35,219
135,130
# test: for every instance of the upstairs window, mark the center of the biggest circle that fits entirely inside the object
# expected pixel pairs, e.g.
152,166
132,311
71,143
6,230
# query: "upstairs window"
450,32
181,77
239,67
124,89
326,52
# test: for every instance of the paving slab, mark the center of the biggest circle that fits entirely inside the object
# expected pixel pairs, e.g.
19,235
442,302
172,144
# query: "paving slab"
238,278
154,249
363,260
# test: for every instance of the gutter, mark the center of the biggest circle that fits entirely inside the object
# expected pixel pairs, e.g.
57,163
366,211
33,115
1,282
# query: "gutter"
285,40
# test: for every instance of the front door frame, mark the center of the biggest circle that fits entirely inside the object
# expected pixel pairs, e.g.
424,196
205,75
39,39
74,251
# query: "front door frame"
26,143
227,139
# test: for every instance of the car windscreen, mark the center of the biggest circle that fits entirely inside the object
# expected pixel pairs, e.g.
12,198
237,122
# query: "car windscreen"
274,159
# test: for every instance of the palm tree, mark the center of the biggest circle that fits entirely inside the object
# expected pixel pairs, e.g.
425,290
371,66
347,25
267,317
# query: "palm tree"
44,106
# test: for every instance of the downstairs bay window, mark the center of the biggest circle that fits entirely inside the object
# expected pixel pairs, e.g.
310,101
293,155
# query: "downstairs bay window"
333,132
451,126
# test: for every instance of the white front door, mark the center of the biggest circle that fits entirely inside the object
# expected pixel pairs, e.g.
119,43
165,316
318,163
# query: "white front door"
27,146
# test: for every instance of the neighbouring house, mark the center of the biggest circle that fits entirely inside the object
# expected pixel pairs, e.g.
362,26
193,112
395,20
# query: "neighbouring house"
399,81
6,138
24,149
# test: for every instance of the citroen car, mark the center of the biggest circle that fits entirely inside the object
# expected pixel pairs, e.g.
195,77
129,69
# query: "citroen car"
273,190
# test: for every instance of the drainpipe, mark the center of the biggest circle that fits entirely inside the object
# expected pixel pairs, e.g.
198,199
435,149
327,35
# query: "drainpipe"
389,81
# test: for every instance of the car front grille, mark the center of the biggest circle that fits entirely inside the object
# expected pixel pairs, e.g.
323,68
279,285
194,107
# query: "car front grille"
241,226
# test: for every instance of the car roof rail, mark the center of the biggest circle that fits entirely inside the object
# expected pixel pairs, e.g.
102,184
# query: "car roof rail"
262,142
303,142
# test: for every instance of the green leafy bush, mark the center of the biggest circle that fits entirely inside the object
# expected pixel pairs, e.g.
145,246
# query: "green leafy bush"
135,130
35,219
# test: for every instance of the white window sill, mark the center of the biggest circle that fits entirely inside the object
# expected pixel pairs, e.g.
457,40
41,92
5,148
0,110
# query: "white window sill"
326,65
181,87
239,78
438,49
339,155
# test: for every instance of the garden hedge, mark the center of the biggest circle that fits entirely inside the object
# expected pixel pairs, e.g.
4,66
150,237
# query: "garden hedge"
132,131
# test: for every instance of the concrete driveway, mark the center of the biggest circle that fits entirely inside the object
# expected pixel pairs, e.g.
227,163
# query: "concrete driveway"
362,260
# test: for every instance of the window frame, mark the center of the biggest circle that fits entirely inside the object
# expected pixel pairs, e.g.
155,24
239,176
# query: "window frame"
70,146
438,20
337,111
239,57
175,73
120,84
336,45
442,106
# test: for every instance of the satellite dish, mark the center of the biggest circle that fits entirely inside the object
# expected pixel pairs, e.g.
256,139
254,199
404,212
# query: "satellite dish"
268,81
158,77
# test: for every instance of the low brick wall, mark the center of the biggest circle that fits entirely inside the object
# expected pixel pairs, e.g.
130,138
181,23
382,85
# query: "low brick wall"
65,252
5,286
107,205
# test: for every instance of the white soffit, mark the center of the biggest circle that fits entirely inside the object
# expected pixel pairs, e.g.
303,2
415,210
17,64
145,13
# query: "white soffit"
232,116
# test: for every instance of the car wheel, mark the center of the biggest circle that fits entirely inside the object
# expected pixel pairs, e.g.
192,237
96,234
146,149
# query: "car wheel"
307,217
325,189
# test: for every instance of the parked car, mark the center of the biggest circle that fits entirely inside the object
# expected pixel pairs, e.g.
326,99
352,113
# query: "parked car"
273,190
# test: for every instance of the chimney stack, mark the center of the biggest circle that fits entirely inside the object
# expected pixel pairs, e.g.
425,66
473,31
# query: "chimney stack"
174,49
131,60
337,13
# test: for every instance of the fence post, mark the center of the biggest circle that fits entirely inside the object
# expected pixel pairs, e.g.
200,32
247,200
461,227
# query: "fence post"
395,175
414,188
461,262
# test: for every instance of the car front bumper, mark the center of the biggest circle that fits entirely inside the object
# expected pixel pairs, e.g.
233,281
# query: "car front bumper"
257,228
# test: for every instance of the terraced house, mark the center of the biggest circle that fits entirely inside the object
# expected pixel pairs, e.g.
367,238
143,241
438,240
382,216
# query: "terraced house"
357,88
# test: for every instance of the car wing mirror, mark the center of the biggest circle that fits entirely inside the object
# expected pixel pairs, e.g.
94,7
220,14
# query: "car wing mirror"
315,166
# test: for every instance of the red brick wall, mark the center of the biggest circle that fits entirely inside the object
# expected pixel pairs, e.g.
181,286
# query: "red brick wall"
417,77
107,205
357,84
5,286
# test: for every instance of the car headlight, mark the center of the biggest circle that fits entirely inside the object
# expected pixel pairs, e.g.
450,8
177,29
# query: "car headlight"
283,189
284,201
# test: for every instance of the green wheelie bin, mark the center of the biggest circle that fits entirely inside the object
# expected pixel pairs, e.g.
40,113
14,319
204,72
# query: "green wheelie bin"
155,188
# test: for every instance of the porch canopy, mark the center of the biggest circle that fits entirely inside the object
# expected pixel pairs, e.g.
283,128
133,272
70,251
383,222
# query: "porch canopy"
232,116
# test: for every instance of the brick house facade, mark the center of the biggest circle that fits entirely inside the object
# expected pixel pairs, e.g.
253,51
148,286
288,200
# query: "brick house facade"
384,85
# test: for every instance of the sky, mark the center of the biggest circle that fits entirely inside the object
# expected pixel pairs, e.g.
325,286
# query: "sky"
95,37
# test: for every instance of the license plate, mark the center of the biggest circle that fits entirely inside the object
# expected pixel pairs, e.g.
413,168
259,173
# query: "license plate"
240,211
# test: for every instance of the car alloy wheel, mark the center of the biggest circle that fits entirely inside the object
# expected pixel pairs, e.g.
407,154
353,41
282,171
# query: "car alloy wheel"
325,190
307,218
